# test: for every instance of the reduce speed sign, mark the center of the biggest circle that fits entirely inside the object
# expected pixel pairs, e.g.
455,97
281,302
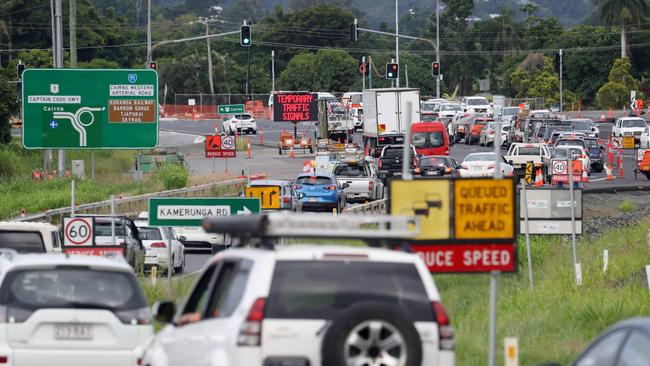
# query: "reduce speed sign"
78,231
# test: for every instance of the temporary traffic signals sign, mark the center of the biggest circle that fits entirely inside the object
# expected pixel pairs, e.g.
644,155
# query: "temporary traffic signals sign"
90,109
467,225
192,211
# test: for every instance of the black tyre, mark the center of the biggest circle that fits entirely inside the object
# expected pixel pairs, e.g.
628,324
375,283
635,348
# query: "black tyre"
372,332
279,150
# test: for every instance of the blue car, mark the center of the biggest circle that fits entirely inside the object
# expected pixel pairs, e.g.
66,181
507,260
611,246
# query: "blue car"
595,154
320,192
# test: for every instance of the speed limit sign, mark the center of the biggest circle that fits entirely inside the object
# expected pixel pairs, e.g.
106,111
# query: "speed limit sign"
78,231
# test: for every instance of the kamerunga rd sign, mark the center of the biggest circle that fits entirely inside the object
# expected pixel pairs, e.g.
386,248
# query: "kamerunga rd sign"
90,109
192,211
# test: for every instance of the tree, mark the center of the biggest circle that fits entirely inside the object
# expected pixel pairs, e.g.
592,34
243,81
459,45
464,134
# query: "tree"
535,77
326,70
8,105
623,12
616,91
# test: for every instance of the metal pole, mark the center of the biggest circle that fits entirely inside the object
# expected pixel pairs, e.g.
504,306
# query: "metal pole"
248,71
397,41
573,221
406,150
438,47
272,72
113,219
58,17
55,49
72,189
148,32
492,339
497,155
527,230
369,72
210,76
406,74
73,33
561,91
170,262
363,76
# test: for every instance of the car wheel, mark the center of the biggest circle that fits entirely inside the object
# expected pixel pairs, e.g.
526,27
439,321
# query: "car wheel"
279,151
371,334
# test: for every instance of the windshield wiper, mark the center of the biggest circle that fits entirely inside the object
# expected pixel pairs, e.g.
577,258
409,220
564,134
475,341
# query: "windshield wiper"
87,305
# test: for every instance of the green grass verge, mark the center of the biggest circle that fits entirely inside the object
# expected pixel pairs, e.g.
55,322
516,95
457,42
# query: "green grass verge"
556,320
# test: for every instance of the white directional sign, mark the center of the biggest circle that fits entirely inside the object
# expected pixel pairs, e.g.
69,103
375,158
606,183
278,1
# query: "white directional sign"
78,231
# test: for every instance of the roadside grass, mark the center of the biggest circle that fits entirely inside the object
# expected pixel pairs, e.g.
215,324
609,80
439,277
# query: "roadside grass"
558,319
627,206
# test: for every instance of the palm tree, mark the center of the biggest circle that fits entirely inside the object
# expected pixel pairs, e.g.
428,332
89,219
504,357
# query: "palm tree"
623,12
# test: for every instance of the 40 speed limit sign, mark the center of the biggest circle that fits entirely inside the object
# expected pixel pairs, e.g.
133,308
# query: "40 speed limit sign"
78,231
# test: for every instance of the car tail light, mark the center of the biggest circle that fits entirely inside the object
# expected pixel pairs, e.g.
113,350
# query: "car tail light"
371,185
286,199
379,163
415,161
296,187
330,188
446,340
140,316
491,166
491,132
158,244
447,170
4,359
417,171
250,332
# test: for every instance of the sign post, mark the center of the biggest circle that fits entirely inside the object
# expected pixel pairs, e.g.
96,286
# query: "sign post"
61,111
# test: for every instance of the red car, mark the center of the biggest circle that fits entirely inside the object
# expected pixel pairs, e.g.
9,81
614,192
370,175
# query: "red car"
430,138
473,134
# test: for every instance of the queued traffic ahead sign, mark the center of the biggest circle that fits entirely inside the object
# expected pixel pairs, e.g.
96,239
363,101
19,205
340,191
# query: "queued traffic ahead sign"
467,225
192,211
90,109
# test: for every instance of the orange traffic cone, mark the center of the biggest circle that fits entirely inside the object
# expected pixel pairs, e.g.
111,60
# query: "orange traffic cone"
291,153
611,113
539,180
608,170
585,175
367,152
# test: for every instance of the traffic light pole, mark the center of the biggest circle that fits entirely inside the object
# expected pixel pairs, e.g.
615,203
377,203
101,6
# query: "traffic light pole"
438,48
189,39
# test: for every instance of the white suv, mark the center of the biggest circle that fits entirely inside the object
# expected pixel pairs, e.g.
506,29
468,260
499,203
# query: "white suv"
70,310
242,123
307,305
476,105
30,237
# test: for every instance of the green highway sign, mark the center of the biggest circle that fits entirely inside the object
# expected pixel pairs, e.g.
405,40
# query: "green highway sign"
231,108
192,211
90,109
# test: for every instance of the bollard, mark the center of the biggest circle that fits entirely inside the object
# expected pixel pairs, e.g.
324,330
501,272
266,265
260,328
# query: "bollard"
620,166
249,150
154,275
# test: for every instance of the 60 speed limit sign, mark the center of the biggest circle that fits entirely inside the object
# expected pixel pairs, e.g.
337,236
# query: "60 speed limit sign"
78,231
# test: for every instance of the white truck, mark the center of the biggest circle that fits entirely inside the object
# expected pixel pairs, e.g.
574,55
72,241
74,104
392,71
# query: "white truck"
521,153
340,123
385,113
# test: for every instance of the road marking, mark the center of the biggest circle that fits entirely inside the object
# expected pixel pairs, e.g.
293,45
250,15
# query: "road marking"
597,180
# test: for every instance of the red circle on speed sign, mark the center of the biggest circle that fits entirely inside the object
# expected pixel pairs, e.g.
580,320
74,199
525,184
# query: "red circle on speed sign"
85,238
362,68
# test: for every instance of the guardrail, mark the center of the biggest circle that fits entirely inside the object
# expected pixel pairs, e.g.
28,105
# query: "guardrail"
141,202
378,206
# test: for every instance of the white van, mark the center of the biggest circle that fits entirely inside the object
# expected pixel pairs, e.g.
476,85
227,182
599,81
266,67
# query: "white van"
30,237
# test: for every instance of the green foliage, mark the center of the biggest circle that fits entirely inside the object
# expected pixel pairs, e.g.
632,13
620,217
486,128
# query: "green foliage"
327,70
172,176
535,77
627,206
8,106
615,93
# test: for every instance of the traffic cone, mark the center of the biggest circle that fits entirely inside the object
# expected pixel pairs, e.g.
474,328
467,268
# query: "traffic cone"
611,113
367,152
291,153
539,180
195,115
585,175
608,170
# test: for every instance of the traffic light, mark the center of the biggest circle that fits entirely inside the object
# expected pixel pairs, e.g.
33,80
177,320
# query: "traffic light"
152,65
20,68
435,69
245,40
354,33
392,71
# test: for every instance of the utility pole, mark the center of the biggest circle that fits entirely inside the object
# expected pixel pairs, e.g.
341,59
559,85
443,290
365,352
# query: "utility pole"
210,77
397,40
438,47
73,33
148,32
272,72
406,74
561,91
363,75
369,72
58,17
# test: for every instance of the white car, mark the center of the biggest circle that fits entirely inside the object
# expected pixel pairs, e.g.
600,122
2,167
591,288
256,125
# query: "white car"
476,105
483,165
629,126
195,239
241,123
447,109
307,305
30,237
71,310
155,241
644,140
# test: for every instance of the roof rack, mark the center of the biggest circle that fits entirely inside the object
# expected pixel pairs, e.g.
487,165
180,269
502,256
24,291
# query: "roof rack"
375,230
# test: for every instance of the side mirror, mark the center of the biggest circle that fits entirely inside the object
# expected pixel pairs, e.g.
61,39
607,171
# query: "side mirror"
163,311
512,163
182,238
345,185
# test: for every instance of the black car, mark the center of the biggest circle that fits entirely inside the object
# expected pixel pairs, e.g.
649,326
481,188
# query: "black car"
437,166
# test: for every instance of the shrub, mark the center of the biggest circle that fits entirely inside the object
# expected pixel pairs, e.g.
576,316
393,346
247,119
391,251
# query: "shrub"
172,176
9,164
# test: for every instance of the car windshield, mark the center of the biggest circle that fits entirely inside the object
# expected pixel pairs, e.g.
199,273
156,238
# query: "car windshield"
560,153
351,170
528,150
556,129
314,180
450,107
434,162
634,123
571,142
428,139
480,157
73,287
243,116
591,143
150,233
581,125
22,241
428,107
393,152
478,101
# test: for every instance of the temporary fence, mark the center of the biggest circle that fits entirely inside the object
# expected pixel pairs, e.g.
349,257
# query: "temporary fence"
202,106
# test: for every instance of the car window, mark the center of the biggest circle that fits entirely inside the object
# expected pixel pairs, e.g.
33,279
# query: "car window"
351,170
437,162
22,241
634,123
104,228
480,157
314,180
55,239
321,290
228,288
576,142
428,139
197,301
604,351
477,102
636,351
393,152
591,143
528,150
152,233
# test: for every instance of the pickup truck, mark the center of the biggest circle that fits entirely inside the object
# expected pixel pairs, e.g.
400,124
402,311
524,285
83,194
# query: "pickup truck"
521,153
362,179
390,160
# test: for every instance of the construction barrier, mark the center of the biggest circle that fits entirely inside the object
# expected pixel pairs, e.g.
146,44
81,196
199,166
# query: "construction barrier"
256,108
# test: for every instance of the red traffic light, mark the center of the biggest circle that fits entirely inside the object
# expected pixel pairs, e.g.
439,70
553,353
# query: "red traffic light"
435,68
152,65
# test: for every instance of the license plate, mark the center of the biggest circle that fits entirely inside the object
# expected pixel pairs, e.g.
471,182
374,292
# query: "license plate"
433,172
73,332
312,199
397,173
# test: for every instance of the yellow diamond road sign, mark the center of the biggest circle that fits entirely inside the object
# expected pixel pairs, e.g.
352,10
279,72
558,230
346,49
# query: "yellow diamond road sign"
426,198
